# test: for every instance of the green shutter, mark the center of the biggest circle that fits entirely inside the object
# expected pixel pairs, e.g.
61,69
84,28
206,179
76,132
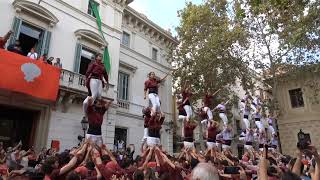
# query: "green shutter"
16,29
77,58
39,44
46,43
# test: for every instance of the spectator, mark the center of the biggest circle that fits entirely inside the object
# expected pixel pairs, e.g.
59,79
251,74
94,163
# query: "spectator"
33,54
204,171
3,40
44,58
49,61
58,63
16,47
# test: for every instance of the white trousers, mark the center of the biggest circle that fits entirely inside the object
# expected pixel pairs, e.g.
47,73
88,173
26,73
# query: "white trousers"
152,141
259,125
188,145
209,112
97,139
225,147
211,145
253,107
154,102
96,91
271,130
188,110
181,118
145,133
224,118
243,106
246,123
248,147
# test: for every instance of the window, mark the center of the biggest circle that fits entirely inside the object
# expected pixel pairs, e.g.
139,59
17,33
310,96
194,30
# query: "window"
296,98
86,58
125,39
123,86
90,10
154,54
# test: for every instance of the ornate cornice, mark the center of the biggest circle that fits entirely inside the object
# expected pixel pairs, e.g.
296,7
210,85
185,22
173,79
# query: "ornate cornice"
123,3
140,22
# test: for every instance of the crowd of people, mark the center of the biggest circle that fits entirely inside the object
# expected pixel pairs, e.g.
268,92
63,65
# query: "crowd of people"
32,54
90,161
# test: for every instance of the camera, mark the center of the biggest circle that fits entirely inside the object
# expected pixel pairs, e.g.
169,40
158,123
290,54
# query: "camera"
303,140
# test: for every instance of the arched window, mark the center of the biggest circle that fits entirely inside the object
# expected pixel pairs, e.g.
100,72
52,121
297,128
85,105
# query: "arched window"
32,25
89,43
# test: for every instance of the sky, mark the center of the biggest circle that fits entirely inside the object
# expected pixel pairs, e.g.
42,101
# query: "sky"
162,12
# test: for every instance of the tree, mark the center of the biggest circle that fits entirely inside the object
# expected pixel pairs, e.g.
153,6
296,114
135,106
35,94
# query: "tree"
209,56
284,37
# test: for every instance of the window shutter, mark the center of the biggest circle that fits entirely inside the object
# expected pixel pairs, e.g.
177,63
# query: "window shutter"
46,43
77,58
16,29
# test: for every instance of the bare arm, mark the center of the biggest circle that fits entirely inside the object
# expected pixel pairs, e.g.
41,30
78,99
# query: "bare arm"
165,77
216,92
297,165
73,161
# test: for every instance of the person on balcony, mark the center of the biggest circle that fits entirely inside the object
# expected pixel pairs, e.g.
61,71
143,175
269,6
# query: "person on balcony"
95,74
16,47
95,111
33,54
151,87
4,39
58,63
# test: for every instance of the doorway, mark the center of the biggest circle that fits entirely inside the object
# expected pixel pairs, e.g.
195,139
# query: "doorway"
29,37
120,135
18,124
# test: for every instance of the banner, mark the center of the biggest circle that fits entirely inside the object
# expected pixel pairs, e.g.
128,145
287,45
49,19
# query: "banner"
106,57
28,76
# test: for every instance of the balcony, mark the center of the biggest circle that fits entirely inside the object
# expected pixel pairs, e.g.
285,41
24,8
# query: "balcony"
75,82
123,104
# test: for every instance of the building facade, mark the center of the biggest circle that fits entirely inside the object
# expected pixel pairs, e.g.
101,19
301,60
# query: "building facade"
299,109
67,29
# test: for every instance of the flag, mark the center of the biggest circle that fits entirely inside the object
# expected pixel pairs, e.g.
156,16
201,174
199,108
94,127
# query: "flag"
31,77
106,57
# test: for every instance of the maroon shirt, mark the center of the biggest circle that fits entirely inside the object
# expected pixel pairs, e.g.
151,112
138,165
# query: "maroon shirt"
186,95
105,172
97,70
95,116
207,100
212,133
188,129
152,85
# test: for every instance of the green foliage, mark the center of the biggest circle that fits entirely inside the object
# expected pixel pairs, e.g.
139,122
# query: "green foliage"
209,56
221,39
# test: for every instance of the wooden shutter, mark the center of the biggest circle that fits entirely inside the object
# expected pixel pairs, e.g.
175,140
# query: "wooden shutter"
46,43
77,58
16,29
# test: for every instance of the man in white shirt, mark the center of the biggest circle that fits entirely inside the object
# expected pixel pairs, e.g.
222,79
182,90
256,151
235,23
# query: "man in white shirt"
33,54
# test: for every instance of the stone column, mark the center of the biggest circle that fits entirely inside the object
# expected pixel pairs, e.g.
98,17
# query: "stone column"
108,129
